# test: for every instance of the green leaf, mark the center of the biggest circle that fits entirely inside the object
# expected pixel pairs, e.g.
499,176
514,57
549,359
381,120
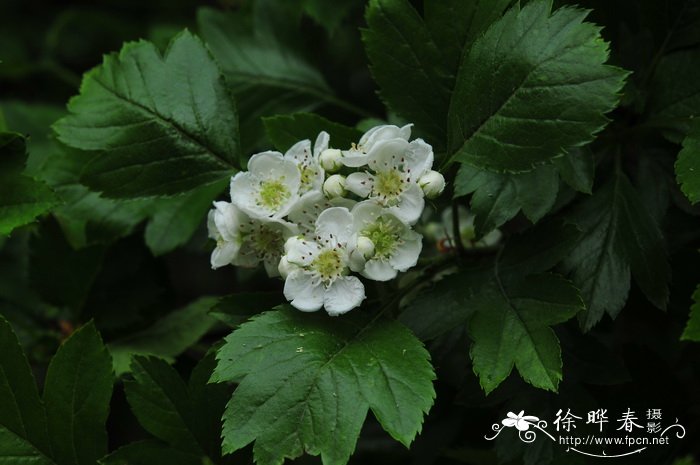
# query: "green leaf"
531,87
498,197
77,392
408,66
675,92
329,15
236,308
187,417
160,124
14,450
455,24
619,237
688,165
286,130
166,338
306,382
21,410
511,327
149,453
692,329
577,169
176,219
22,198
266,74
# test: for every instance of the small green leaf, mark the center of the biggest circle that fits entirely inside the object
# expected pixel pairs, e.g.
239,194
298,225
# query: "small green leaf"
149,453
166,338
408,66
22,199
532,86
21,410
692,329
160,124
511,327
577,169
619,237
688,164
176,219
306,382
77,393
286,130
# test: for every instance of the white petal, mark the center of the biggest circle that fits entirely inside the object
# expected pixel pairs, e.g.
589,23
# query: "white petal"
522,425
406,255
387,155
343,295
411,203
354,158
382,133
306,211
359,183
224,254
321,143
418,158
271,267
213,231
509,422
243,193
266,164
334,226
365,214
246,258
405,131
228,219
379,270
300,251
299,152
301,290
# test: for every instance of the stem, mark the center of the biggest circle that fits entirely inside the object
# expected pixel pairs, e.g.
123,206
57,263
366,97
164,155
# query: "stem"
456,232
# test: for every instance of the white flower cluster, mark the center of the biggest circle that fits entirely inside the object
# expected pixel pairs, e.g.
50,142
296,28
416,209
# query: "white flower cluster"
314,228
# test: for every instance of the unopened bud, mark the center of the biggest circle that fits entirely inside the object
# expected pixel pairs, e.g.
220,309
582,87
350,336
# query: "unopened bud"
331,160
334,186
365,246
432,183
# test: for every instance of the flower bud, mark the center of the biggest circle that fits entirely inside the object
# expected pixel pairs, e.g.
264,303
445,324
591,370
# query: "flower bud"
365,246
334,186
432,183
330,160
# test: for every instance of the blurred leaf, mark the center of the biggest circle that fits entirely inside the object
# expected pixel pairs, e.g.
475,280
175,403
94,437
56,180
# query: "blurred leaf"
692,329
340,368
286,130
160,124
532,86
408,66
22,199
237,308
149,453
166,338
13,446
688,164
619,236
329,14
176,219
21,410
77,394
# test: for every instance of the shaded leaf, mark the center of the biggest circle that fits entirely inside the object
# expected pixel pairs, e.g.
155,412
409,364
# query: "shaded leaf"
688,164
692,329
286,130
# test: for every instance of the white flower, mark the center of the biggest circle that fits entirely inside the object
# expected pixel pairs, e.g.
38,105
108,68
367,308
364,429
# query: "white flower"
432,183
358,154
521,421
270,187
245,241
320,267
397,166
396,245
331,160
307,210
334,186
310,170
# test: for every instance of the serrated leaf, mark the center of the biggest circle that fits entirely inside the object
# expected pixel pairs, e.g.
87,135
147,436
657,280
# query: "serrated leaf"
149,453
286,130
167,337
175,220
21,410
498,197
408,66
306,382
511,327
77,392
22,199
186,416
577,169
688,164
236,308
14,449
534,85
161,124
619,238
692,329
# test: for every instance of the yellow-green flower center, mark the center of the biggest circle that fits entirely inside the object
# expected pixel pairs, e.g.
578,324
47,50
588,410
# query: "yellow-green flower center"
307,176
328,264
273,193
388,183
385,235
267,242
